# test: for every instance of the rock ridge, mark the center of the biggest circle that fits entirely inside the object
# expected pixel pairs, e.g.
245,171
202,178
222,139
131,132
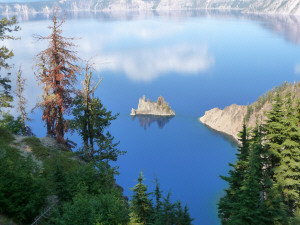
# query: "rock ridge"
159,108
230,120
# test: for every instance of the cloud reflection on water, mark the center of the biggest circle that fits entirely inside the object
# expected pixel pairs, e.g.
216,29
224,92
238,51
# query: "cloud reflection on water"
148,64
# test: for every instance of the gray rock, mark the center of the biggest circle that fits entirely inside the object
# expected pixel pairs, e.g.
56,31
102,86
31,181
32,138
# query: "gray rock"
159,108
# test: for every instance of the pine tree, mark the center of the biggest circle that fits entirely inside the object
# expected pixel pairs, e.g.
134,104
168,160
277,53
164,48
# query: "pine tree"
91,120
251,192
158,195
57,70
182,216
288,172
141,205
230,202
6,26
168,211
273,130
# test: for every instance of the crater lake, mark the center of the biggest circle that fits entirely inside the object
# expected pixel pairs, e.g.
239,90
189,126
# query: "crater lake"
196,60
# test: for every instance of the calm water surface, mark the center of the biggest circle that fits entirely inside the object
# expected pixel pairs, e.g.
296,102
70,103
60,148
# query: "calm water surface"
197,61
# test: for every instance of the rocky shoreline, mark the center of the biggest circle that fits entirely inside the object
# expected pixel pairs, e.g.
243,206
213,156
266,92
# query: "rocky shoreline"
228,121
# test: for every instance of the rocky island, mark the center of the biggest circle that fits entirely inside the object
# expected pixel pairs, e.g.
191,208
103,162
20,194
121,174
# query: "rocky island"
159,108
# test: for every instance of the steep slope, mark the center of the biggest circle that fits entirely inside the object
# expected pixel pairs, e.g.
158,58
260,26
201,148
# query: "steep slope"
257,6
230,119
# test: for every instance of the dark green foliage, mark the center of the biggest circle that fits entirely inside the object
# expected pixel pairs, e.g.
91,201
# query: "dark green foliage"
172,213
164,212
252,198
273,130
104,209
229,203
141,205
158,203
91,123
6,26
22,187
250,208
287,173
39,151
85,191
15,126
266,190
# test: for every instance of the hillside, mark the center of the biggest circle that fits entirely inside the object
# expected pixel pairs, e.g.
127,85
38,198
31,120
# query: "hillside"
254,6
230,119
40,178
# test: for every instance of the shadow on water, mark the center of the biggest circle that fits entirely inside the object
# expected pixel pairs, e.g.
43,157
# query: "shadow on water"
225,136
146,120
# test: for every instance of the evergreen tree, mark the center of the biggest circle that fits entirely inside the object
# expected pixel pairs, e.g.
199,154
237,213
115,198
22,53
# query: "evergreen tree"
230,202
168,211
141,205
186,215
182,216
288,172
6,26
57,70
91,120
158,195
251,193
273,130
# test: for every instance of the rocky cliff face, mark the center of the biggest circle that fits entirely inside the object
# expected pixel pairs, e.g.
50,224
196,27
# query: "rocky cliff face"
159,108
257,6
230,119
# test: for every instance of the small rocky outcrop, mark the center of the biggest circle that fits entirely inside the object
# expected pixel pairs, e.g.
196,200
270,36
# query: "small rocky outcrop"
159,108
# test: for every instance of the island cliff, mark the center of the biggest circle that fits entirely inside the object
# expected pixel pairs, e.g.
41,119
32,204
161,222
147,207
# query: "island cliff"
230,119
159,108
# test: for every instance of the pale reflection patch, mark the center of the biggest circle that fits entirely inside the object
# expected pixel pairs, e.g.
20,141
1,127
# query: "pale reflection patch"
148,64
297,69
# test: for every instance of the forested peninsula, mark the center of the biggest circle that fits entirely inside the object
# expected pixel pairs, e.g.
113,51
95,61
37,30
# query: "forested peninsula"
264,181
264,186
49,180
230,119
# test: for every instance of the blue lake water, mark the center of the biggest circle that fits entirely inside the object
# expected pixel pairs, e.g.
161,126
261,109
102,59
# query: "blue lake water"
197,61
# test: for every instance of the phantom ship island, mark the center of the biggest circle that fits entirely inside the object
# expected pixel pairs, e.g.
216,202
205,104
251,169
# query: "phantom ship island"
159,108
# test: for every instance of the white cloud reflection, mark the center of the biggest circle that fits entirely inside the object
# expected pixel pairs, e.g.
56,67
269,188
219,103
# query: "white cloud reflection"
148,64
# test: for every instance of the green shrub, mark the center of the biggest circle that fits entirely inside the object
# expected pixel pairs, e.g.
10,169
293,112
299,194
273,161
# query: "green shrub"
10,123
37,148
106,209
22,189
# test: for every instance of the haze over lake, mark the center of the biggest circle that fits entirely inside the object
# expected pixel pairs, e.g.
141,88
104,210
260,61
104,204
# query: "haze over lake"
196,61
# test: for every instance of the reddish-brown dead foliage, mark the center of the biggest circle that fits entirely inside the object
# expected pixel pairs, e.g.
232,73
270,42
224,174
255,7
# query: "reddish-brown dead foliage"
57,71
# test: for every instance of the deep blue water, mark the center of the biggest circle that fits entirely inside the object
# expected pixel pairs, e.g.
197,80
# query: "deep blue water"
197,61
